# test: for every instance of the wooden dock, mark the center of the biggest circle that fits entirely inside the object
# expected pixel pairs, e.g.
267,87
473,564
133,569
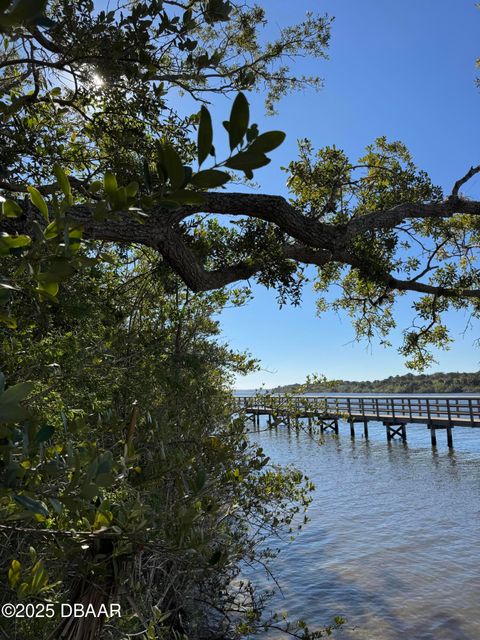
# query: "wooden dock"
394,412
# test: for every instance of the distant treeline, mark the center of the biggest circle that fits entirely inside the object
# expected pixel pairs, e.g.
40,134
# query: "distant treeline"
409,383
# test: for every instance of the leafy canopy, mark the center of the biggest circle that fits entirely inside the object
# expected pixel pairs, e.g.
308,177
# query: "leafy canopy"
96,94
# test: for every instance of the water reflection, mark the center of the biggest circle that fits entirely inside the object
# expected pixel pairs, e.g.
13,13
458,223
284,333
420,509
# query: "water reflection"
393,540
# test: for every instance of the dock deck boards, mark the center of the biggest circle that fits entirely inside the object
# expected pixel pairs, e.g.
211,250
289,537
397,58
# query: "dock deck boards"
395,412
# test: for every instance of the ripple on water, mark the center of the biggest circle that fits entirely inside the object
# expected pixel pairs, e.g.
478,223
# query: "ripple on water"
393,540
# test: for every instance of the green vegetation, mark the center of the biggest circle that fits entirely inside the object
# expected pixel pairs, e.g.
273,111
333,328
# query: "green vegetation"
408,383
127,480
123,476
98,93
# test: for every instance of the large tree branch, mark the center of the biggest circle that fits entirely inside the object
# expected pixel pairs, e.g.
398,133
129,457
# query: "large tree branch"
270,208
311,242
421,287
468,176
189,267
392,217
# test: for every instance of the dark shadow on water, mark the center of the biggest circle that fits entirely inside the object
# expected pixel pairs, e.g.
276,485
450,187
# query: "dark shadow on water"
329,594
358,606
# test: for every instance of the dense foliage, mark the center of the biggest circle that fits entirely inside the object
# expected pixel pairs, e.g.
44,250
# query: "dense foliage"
122,473
123,476
453,382
96,89
122,94
127,479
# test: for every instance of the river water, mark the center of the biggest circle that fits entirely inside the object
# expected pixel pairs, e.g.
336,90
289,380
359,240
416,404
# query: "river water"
393,544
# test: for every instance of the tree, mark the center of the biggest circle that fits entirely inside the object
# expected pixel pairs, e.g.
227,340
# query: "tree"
120,206
378,227
94,89
127,479
90,131
121,472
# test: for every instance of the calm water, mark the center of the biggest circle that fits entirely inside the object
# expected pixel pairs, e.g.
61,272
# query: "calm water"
394,539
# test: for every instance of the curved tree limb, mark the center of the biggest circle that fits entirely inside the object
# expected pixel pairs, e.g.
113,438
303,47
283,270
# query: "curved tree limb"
311,242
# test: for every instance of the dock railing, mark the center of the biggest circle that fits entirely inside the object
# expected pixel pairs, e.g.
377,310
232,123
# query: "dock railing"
436,410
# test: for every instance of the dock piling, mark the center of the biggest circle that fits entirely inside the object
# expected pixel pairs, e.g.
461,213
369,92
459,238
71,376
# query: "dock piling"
449,438
365,429
395,412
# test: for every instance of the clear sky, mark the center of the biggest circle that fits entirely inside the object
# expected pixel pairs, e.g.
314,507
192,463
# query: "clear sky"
401,69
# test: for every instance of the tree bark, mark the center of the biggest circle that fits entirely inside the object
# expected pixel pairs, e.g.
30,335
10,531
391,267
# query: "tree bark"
310,241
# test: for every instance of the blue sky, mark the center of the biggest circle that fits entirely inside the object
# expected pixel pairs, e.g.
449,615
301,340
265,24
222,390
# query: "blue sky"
401,69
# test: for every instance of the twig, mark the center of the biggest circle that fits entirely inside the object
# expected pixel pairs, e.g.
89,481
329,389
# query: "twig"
459,183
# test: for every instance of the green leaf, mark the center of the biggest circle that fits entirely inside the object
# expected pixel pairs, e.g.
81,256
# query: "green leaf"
38,200
89,491
105,461
16,393
39,578
31,505
167,203
147,202
8,321
239,117
63,182
267,142
217,11
171,162
161,172
28,10
187,197
57,505
53,230
9,243
95,186
205,135
119,198
14,573
252,133
247,161
132,189
101,210
102,520
147,174
187,172
105,479
59,269
44,434
50,288
210,179
110,183
74,238
11,209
